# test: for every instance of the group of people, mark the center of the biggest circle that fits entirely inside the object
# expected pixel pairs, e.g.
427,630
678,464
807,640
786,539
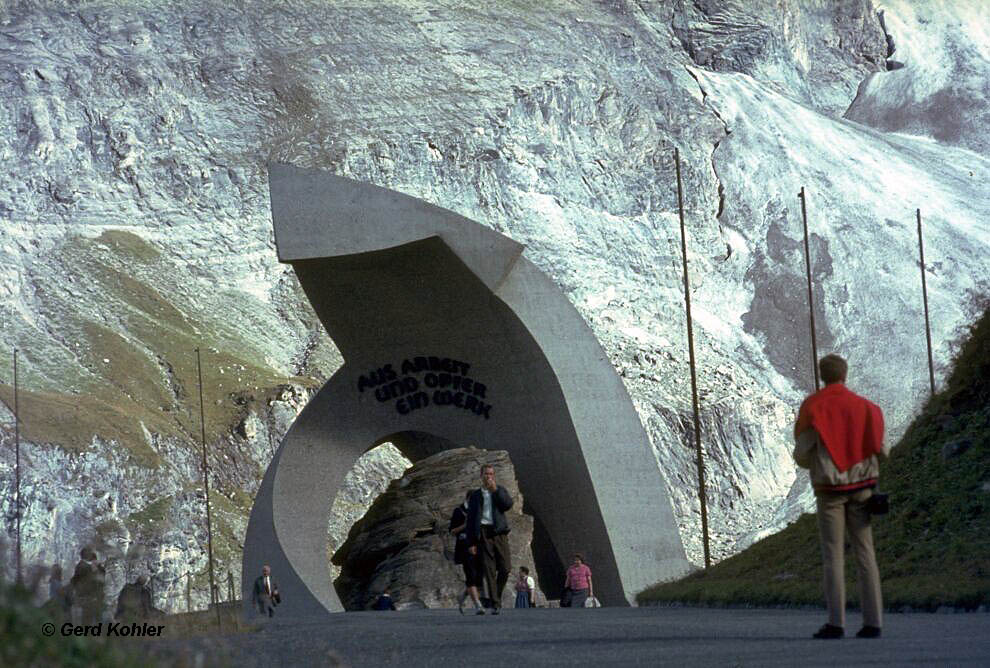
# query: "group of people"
82,598
84,593
839,438
482,550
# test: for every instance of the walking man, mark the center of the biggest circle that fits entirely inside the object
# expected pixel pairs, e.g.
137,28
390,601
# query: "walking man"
469,562
839,437
488,531
266,595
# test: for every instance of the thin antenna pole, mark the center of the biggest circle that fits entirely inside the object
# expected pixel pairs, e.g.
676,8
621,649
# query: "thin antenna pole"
694,376
924,294
811,297
271,441
17,473
206,485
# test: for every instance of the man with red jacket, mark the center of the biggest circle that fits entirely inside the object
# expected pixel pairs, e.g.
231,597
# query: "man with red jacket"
839,437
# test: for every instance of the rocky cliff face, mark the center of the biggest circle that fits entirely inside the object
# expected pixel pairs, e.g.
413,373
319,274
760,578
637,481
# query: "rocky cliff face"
134,225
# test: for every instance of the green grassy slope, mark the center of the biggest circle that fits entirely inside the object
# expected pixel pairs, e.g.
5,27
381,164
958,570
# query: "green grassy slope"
122,359
107,350
933,548
26,641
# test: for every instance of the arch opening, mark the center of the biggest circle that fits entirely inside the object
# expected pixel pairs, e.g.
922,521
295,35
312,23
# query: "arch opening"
367,480
403,542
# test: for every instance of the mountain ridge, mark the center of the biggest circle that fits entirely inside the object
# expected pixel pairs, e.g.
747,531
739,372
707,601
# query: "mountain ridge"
553,125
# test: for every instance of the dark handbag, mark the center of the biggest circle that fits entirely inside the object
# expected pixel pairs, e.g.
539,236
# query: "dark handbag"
878,504
565,599
276,599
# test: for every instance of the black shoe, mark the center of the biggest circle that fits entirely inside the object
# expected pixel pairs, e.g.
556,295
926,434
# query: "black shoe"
829,632
868,632
495,611
481,611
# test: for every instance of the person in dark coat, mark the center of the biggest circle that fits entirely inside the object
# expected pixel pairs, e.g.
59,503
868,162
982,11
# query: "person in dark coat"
469,562
55,582
59,595
88,585
488,533
134,601
384,602
265,594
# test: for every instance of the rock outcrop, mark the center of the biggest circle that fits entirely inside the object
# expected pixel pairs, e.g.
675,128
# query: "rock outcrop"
403,543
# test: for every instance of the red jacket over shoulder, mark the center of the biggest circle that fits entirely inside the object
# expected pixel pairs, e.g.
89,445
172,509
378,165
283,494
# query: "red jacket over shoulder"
849,426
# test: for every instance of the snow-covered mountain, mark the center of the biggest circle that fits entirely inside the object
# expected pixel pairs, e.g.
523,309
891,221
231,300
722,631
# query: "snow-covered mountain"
135,227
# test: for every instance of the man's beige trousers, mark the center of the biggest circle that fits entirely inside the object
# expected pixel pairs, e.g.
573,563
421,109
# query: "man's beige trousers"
836,514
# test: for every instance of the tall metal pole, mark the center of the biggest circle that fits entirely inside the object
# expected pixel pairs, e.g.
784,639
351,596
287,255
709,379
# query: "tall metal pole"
924,294
694,377
811,297
206,485
17,473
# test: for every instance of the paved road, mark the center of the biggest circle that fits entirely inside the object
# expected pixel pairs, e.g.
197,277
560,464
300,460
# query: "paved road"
604,637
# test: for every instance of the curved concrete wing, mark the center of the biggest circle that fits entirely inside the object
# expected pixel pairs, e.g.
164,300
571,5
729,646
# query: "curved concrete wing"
448,331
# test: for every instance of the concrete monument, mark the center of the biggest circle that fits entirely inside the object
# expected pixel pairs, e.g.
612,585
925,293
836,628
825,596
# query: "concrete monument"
451,337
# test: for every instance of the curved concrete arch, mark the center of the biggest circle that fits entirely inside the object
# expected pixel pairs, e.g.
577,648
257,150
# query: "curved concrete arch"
446,329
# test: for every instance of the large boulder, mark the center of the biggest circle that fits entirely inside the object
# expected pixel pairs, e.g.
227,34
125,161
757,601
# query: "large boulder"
403,543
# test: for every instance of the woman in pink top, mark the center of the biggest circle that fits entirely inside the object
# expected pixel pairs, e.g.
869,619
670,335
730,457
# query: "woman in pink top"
579,582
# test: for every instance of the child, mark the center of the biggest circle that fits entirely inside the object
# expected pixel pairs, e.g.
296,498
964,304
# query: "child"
524,589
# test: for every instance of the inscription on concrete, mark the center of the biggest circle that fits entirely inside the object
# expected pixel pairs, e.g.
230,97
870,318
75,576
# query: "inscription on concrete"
423,381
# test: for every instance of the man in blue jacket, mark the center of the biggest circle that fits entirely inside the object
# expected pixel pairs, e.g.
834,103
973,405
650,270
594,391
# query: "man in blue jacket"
385,602
488,533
